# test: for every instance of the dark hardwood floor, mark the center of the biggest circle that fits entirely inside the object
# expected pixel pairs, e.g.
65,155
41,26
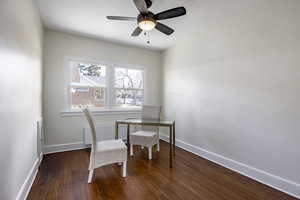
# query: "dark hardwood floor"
64,176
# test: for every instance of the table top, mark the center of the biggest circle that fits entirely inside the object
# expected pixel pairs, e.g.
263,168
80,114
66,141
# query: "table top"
147,122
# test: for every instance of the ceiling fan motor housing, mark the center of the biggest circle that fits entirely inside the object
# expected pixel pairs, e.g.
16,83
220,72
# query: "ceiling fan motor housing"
146,17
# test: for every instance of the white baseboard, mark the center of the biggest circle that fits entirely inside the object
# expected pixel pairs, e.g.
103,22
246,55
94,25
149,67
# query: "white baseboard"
24,191
284,185
48,149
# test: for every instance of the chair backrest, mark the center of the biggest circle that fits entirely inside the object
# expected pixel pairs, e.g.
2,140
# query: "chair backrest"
90,120
153,113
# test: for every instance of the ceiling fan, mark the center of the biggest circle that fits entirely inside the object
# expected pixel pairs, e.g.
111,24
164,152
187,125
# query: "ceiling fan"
147,20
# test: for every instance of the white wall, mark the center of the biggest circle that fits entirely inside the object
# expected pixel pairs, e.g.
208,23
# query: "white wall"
58,46
20,98
232,82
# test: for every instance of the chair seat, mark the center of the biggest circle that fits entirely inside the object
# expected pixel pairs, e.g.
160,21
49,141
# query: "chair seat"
144,133
110,145
144,138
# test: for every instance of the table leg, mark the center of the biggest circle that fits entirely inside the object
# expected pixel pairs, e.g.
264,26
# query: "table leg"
117,130
174,140
171,145
128,136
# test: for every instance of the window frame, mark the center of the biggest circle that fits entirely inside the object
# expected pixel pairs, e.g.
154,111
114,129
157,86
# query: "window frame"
109,89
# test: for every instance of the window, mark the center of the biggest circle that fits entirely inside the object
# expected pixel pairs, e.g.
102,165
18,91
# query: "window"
104,86
129,87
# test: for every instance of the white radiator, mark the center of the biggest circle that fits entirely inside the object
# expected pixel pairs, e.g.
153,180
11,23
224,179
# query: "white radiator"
40,137
105,131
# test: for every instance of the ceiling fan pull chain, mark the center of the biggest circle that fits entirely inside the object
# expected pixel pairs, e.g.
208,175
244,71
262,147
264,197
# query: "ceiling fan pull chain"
147,35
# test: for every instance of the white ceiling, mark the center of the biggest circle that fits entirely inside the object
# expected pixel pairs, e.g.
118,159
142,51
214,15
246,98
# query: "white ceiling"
88,17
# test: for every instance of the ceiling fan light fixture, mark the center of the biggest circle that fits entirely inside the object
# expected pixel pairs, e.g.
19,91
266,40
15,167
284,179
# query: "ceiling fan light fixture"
147,24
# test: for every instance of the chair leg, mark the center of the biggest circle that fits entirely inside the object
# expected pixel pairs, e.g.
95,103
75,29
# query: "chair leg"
90,176
124,168
150,153
158,147
131,150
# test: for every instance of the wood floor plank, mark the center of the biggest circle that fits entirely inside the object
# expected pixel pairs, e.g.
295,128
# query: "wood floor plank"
63,176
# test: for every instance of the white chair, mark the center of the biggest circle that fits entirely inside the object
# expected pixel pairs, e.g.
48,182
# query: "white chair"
105,152
148,136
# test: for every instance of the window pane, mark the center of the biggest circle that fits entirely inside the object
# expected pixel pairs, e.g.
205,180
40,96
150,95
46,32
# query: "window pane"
87,85
129,78
87,97
129,84
129,97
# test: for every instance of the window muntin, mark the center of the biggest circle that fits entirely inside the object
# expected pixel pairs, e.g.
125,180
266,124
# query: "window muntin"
104,86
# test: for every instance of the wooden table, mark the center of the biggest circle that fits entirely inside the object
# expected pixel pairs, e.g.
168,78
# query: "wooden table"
146,122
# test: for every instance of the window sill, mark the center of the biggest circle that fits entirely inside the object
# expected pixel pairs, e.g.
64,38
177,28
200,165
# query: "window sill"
102,112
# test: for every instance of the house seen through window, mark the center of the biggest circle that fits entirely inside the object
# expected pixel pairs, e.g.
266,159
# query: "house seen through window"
99,86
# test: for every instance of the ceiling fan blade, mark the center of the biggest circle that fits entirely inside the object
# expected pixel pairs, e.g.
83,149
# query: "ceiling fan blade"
141,5
164,29
121,18
136,31
175,12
